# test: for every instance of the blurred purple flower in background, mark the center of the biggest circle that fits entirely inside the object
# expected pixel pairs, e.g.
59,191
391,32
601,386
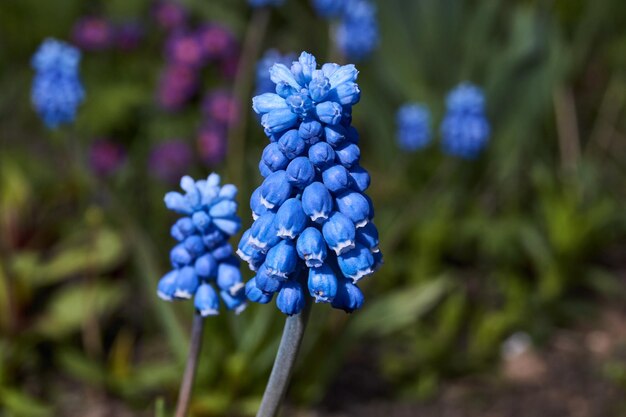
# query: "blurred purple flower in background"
221,107
106,157
216,41
128,36
176,86
92,33
184,48
229,65
212,143
169,15
170,160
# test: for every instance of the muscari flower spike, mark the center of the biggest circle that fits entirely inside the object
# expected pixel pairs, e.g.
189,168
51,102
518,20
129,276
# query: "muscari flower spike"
312,229
465,128
56,91
357,34
204,267
413,122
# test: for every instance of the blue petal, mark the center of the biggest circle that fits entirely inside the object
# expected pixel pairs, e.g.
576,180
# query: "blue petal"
290,299
281,260
311,247
267,102
317,202
322,284
290,220
349,297
263,234
336,179
322,155
356,263
177,202
300,172
344,74
279,120
273,157
291,144
229,225
206,266
186,283
355,207
167,286
224,208
229,278
280,73
348,155
206,301
275,190
360,178
254,294
328,112
339,233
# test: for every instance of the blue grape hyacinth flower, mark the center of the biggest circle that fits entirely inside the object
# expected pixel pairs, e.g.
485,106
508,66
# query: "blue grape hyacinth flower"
328,8
413,124
204,266
312,230
357,34
465,128
56,91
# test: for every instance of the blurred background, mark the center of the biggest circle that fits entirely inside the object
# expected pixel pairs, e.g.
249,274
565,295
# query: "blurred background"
504,282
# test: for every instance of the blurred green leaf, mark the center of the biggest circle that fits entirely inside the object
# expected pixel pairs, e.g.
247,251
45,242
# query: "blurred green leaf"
20,404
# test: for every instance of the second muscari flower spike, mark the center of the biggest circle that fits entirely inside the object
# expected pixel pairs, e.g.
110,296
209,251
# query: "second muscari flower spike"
313,231
204,267
465,128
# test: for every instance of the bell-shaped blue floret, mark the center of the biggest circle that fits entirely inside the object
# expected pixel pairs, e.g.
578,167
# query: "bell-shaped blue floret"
304,68
299,103
368,236
360,178
235,302
349,297
290,299
339,233
311,247
229,277
194,245
285,90
356,263
322,284
335,135
266,283
263,233
300,172
206,266
279,120
329,68
279,73
275,190
291,144
342,74
255,295
229,225
167,286
250,253
201,221
264,170
354,206
310,131
348,155
328,112
322,155
336,179
186,282
346,94
267,102
258,209
180,256
182,228
222,252
212,237
206,301
290,220
273,158
319,86
317,202
175,201
282,259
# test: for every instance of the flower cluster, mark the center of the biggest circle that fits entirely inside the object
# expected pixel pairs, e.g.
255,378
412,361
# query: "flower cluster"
263,82
95,33
57,91
357,34
188,51
312,223
413,121
465,129
203,259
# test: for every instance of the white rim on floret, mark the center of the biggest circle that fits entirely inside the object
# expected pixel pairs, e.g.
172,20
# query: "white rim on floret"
344,246
360,274
182,294
164,296
209,312
235,288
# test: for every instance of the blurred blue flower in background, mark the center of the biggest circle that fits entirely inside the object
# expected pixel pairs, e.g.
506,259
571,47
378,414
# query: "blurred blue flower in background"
56,91
263,82
203,261
357,34
328,8
465,129
312,228
413,123
263,3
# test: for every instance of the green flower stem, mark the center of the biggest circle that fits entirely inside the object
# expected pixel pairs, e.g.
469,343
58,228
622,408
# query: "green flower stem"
284,363
242,91
186,384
